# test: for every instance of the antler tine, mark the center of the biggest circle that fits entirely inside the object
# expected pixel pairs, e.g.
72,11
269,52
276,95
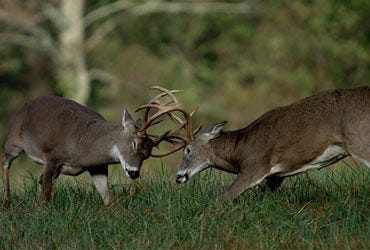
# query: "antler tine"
198,129
170,93
172,97
162,108
161,138
176,119
145,115
183,123
169,138
194,111
156,103
157,98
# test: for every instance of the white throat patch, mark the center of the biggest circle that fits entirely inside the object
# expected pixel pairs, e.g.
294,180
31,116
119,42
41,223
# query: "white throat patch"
199,168
116,154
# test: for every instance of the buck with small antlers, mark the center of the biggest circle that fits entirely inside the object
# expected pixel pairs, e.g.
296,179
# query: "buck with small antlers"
309,134
69,138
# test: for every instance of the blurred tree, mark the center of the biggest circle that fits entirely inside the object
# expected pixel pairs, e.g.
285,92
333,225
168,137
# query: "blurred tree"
57,28
230,56
54,30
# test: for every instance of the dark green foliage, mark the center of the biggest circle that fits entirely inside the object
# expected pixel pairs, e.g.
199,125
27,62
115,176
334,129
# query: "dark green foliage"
225,63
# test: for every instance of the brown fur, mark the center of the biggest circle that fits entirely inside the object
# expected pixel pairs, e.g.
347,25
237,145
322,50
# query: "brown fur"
292,136
63,133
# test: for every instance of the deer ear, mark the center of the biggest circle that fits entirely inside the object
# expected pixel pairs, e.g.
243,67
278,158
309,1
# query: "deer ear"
127,120
215,130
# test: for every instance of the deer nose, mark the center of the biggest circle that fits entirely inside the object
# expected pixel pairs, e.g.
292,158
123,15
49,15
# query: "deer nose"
133,174
182,178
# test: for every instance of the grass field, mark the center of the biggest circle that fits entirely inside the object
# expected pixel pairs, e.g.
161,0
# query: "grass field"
326,209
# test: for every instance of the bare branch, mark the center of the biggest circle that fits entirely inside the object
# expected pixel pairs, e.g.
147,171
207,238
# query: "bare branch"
9,17
30,28
243,8
54,15
21,40
104,76
99,34
8,64
18,39
105,11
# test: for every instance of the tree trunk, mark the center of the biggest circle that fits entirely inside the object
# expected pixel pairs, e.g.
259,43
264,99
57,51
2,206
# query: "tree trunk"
73,77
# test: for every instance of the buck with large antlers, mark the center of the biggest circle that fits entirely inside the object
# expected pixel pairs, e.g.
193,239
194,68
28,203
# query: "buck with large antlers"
309,134
69,138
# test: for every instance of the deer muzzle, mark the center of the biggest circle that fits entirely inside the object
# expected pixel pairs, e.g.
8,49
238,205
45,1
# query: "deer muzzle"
133,174
182,178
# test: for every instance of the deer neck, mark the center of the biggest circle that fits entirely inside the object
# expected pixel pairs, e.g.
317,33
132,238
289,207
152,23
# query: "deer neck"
101,143
231,149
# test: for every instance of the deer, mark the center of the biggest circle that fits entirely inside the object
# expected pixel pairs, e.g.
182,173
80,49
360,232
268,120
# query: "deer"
69,138
309,134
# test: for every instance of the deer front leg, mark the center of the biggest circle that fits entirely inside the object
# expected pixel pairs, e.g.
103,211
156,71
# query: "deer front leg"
242,182
47,181
6,166
99,175
7,161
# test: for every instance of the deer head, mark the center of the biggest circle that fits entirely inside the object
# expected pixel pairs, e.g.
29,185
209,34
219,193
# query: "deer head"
198,154
137,143
132,146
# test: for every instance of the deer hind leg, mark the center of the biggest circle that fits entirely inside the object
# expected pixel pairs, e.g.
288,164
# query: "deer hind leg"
99,175
50,172
242,182
6,167
10,155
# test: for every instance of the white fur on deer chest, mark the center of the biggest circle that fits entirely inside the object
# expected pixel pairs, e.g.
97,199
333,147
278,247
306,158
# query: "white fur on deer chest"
36,159
328,157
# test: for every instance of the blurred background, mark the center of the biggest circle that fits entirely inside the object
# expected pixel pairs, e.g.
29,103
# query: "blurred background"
233,59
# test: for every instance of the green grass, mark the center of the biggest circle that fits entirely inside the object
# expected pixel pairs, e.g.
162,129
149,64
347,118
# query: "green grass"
326,209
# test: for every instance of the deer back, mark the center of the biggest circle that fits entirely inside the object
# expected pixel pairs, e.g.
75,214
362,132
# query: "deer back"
52,123
61,130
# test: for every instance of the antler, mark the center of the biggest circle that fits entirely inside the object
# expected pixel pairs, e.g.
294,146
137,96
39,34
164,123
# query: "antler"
172,136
